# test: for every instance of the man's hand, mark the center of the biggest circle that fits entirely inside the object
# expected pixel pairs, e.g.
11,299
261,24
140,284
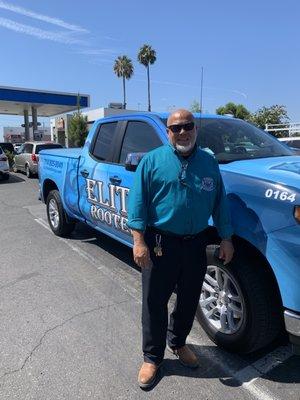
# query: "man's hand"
226,251
141,253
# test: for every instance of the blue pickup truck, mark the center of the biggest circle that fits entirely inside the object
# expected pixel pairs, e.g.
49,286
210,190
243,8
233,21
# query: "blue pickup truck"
244,305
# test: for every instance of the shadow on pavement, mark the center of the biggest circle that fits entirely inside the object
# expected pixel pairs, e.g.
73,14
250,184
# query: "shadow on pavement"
287,372
88,235
213,365
12,179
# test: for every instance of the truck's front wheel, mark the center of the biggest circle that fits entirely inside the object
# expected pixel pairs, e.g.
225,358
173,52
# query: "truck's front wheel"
239,307
56,215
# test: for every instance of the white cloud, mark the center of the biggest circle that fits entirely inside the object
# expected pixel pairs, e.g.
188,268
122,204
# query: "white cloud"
97,52
70,34
112,38
165,82
39,33
101,61
41,17
235,91
238,92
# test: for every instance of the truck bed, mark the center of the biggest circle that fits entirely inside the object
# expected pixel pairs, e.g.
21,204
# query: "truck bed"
70,153
61,167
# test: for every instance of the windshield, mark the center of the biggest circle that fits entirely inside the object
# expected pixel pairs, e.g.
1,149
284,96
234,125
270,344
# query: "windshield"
40,147
233,139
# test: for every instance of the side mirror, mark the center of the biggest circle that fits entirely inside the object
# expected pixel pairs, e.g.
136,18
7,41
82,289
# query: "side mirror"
133,160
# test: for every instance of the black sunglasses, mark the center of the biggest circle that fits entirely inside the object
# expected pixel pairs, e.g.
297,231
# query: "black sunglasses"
186,127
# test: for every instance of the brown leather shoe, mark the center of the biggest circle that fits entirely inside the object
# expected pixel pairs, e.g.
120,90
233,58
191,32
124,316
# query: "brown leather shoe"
186,357
148,375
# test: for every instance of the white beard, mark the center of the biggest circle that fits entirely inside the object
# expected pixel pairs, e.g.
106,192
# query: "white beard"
184,149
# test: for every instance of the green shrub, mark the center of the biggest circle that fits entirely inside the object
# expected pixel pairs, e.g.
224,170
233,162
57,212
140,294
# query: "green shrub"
11,158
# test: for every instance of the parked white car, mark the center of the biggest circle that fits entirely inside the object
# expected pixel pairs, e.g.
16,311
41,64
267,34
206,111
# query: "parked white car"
4,167
27,156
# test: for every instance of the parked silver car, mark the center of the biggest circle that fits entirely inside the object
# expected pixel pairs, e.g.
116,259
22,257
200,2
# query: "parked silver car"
26,159
4,167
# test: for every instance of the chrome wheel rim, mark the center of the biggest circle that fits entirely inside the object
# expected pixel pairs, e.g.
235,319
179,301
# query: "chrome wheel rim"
53,213
221,301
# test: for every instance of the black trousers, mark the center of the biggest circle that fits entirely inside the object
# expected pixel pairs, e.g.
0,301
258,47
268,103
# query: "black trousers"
181,266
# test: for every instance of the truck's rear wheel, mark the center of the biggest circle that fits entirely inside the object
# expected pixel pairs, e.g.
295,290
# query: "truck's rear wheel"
56,215
239,307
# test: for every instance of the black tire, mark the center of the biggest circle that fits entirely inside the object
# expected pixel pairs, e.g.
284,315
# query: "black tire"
5,177
261,322
27,171
64,226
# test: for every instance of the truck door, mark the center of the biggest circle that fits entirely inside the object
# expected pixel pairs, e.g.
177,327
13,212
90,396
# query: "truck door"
93,182
136,136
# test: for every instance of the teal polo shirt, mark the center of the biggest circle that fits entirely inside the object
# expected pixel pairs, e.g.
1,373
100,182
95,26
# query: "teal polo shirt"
177,194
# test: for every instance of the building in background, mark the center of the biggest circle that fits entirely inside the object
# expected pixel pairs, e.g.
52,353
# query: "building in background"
15,134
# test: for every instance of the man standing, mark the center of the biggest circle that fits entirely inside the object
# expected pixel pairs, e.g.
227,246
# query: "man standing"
177,188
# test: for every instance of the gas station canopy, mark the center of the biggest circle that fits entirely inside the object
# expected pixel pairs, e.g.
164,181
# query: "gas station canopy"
17,101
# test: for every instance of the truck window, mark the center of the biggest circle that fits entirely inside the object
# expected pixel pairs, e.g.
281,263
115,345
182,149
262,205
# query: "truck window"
139,137
232,140
106,135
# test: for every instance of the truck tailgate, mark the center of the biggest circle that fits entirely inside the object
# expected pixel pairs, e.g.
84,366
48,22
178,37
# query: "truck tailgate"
59,167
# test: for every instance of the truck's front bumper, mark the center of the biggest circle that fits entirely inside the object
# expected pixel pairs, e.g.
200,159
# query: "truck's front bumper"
292,326
292,322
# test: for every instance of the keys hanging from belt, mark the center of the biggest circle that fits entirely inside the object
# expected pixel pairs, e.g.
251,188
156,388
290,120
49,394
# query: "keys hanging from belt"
158,248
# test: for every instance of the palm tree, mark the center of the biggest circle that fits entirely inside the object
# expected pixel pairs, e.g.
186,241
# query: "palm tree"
123,68
147,56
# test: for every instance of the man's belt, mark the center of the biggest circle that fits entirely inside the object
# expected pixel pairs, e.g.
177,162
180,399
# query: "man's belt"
152,229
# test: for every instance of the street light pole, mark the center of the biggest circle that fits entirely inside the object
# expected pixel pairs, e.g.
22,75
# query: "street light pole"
201,90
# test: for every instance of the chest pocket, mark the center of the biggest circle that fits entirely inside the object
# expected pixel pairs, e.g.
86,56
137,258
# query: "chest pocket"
204,184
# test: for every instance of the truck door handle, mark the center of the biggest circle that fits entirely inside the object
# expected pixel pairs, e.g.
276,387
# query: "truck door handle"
115,180
84,173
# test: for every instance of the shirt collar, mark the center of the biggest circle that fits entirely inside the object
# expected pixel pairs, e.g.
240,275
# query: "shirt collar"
180,156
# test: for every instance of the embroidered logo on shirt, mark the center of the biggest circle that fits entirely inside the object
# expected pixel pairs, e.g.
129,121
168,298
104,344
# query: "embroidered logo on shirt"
207,184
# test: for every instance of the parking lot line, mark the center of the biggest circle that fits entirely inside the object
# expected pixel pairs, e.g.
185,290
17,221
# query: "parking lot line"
247,377
265,364
259,393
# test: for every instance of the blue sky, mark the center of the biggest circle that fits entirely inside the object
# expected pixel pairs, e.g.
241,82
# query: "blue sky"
249,51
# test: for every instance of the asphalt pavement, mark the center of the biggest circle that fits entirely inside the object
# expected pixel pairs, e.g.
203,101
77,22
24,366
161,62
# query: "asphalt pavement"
70,321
